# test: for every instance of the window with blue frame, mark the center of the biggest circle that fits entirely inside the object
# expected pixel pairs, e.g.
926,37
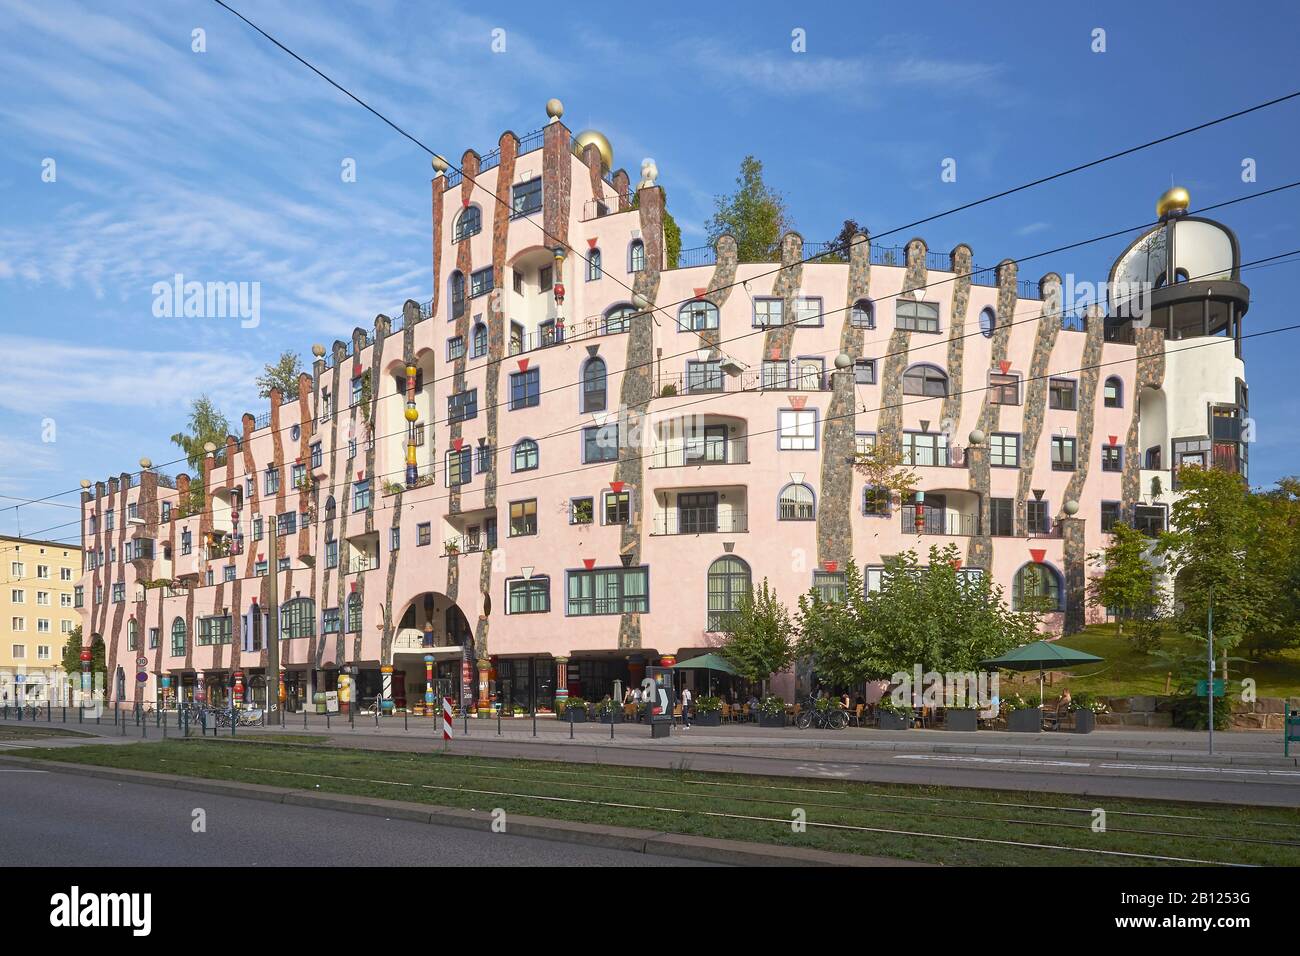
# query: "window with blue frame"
593,265
526,198
525,388
608,591
525,455
458,468
483,458
455,348
462,406
600,443
479,346
480,283
361,495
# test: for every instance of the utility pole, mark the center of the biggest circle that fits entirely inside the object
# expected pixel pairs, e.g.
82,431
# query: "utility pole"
273,622
1209,687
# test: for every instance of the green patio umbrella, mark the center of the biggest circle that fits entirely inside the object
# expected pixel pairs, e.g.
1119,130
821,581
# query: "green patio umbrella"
707,662
1042,656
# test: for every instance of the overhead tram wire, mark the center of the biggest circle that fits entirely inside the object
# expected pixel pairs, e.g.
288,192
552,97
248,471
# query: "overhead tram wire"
761,330
1211,341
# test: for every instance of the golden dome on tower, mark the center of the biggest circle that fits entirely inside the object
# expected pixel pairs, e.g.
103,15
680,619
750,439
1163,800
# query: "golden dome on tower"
1174,199
602,144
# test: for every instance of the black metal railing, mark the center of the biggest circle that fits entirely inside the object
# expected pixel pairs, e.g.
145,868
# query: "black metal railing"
699,452
920,519
700,521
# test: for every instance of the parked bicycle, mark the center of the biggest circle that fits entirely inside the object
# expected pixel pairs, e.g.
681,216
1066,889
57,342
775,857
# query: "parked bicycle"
818,714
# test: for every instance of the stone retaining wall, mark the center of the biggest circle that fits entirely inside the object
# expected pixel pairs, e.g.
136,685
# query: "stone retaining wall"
1152,711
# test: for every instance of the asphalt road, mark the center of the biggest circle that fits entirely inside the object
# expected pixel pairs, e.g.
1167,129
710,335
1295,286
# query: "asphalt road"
57,819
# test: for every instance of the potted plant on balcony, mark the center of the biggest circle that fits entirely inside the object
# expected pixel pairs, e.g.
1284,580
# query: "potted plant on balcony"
771,712
610,711
708,712
451,546
892,716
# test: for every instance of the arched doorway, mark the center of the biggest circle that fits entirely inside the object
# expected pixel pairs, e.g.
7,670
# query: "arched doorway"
431,625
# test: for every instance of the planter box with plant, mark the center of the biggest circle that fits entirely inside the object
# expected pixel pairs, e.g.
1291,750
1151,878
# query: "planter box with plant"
610,712
1025,720
961,718
707,712
771,712
890,716
575,711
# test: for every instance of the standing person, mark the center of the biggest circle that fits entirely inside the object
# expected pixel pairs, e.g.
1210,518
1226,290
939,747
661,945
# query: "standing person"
686,708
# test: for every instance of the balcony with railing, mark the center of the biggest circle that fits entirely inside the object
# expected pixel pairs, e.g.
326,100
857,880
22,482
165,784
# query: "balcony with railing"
706,440
700,520
924,519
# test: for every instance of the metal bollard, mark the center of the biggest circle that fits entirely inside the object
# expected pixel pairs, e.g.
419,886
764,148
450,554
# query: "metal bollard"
569,711
406,721
534,720
49,711
498,721
144,728
123,723
304,718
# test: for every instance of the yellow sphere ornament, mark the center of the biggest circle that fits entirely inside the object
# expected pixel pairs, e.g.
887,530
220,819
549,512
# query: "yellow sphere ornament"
412,413
1175,198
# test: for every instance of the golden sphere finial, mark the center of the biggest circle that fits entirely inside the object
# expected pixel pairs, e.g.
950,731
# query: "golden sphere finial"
1175,198
602,144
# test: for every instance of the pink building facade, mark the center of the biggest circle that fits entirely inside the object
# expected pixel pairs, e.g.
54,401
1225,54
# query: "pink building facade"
607,451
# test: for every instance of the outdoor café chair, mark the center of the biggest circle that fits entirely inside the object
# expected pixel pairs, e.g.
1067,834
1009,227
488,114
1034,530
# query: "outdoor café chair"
1052,719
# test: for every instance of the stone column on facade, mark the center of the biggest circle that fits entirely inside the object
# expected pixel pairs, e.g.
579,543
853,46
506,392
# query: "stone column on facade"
484,685
1072,531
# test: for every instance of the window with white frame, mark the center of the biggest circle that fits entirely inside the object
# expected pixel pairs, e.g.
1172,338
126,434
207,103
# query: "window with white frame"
797,429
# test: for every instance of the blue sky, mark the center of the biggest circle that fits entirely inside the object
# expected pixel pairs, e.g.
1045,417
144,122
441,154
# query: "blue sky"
225,166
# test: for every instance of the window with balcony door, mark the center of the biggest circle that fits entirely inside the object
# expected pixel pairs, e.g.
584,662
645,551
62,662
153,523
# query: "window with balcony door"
697,513
729,583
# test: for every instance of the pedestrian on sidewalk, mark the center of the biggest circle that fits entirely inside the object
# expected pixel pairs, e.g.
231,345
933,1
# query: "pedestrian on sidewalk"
686,708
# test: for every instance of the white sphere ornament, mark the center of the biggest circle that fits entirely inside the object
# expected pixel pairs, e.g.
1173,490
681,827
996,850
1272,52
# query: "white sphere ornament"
844,360
976,437
640,301
554,109
1071,507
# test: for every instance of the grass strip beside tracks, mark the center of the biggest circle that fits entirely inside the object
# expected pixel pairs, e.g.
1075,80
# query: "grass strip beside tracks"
932,824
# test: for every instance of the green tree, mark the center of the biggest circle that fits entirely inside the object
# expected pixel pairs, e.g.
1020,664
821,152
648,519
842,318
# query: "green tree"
834,636
282,375
755,215
757,638
843,243
1128,579
71,661
1210,551
206,424
1275,556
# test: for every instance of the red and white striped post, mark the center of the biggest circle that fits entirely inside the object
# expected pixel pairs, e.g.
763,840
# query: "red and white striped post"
446,719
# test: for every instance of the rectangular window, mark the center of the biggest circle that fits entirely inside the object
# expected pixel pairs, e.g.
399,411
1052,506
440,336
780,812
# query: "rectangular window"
518,281
361,495
297,475
1110,393
704,376
797,429
316,457
864,372
394,539
516,338
618,507
261,568
608,591
1004,450
286,523
913,316
1063,453
214,630
864,443
330,621
523,518
1038,518
925,449
282,564
423,534
768,313
545,278
1004,389
462,406
480,282
829,586
776,374
166,511
272,479
581,510
525,388
1149,519
526,198
1061,393
600,443
458,468
332,553
1002,517
1111,459
483,458
1109,514
258,530
808,311
875,501
228,573
455,347
528,595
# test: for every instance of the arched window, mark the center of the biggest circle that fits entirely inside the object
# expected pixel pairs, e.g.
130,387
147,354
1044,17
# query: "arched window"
1113,392
132,634
479,345
178,637
1037,587
525,455
988,322
696,315
298,618
457,294
863,315
331,509
925,380
354,613
796,503
593,385
618,319
468,223
729,581
636,256
593,265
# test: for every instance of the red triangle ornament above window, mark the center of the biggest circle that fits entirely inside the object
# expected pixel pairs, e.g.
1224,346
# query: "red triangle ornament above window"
1038,554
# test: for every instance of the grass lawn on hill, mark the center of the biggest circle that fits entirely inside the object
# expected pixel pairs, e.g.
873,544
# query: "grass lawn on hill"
1125,672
